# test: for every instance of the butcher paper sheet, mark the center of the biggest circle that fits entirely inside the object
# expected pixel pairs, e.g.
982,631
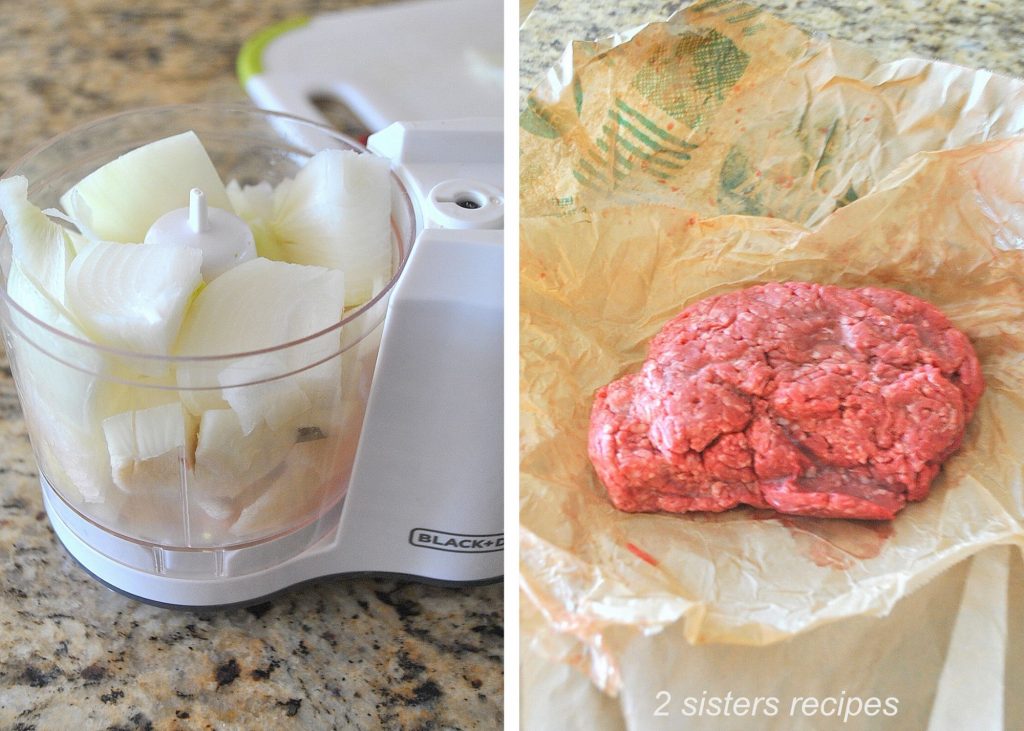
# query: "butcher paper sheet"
717,150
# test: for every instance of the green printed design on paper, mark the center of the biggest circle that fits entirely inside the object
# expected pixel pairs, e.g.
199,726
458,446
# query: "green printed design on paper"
593,172
708,4
744,15
635,151
751,183
630,140
637,120
535,123
624,124
719,64
824,170
689,79
734,170
849,197
737,186
582,180
829,148
619,158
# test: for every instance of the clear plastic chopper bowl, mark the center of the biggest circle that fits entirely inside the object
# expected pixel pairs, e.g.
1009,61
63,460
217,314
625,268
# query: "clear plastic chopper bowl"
283,481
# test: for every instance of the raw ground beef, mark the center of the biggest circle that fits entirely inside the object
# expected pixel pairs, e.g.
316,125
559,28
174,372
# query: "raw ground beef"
808,399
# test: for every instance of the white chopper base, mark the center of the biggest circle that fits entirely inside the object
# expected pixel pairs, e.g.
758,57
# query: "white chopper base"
165,581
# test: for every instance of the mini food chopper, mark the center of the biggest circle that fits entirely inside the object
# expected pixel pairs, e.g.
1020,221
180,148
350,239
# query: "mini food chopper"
394,466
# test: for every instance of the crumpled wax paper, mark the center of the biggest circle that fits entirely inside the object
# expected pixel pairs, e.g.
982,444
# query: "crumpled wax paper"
721,149
947,653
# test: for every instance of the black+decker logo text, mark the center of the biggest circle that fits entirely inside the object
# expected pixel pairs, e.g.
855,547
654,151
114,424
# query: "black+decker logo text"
439,540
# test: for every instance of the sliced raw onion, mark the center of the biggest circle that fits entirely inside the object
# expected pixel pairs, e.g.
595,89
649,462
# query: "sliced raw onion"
122,199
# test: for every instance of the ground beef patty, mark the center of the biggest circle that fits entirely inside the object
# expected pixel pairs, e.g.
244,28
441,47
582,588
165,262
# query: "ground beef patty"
809,399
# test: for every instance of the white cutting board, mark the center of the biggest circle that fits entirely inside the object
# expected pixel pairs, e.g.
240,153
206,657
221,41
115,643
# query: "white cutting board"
407,61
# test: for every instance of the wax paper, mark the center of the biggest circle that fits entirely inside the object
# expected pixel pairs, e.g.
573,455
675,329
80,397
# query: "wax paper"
942,654
721,149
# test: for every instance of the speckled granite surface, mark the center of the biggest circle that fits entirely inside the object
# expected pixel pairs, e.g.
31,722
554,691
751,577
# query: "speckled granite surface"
346,654
975,33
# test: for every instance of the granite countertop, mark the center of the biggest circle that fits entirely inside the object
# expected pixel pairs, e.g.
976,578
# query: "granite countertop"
976,33
335,654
